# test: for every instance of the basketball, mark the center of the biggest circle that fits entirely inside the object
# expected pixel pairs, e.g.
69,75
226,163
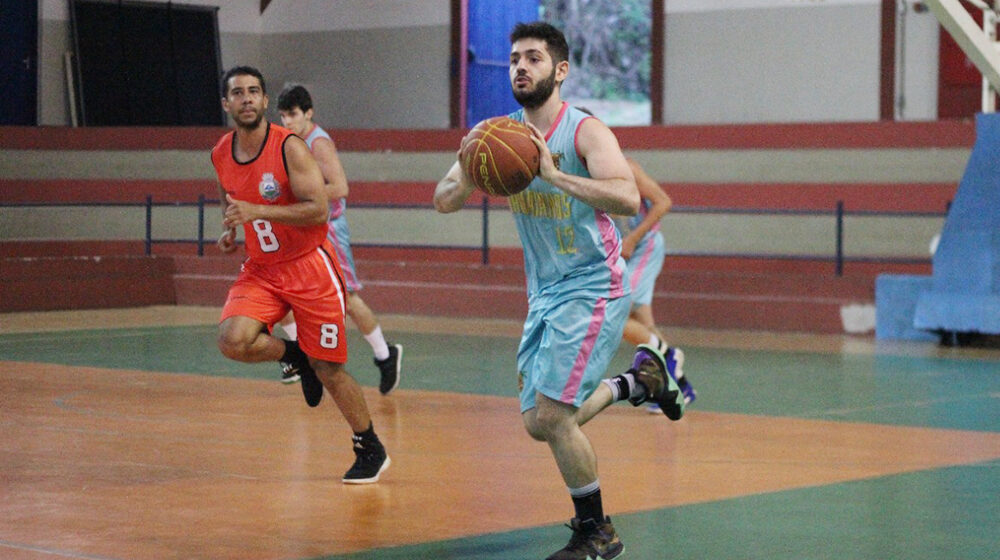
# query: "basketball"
499,156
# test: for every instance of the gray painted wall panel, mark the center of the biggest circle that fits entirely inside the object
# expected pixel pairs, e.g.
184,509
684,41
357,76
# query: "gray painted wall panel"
376,78
773,65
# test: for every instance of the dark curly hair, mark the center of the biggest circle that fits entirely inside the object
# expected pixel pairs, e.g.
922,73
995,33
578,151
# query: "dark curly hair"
554,39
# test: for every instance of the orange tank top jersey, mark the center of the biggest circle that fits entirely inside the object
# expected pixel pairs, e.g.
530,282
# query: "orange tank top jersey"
264,180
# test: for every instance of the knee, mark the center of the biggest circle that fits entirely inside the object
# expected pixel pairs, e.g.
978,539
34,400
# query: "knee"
544,425
534,430
232,345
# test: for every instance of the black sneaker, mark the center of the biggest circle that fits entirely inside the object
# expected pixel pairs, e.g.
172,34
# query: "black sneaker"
369,462
312,388
590,541
389,369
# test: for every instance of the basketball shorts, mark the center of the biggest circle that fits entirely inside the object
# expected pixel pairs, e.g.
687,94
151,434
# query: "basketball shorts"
644,267
311,286
566,348
340,236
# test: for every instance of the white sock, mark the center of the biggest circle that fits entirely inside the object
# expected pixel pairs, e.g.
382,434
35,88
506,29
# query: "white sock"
585,490
291,330
378,344
622,386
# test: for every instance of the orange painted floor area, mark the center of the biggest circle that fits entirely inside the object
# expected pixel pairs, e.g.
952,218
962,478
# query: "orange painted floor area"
103,463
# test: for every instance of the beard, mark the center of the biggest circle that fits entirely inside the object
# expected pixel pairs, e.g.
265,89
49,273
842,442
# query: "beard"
536,97
251,125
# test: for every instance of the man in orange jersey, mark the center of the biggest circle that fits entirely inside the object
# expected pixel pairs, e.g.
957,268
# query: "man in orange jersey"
270,184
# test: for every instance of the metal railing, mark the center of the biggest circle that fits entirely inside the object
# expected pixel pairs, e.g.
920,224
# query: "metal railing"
838,258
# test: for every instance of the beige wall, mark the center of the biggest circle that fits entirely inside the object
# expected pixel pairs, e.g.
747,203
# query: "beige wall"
386,63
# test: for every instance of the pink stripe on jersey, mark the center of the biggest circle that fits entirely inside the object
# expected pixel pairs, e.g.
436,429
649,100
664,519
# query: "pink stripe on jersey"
636,273
580,364
555,124
350,277
612,248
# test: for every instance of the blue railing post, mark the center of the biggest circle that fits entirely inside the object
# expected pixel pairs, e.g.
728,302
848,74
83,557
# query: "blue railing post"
486,229
201,225
149,225
840,238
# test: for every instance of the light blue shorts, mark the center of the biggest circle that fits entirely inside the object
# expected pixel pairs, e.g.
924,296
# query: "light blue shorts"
644,267
340,236
566,348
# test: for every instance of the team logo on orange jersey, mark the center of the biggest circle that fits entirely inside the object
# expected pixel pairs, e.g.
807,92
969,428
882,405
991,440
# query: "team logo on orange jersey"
268,187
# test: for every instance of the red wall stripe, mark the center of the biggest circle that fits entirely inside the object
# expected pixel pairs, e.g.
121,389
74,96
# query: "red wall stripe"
887,197
929,134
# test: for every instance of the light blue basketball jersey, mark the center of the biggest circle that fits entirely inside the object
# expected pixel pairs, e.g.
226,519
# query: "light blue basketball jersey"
571,249
338,231
650,237
336,206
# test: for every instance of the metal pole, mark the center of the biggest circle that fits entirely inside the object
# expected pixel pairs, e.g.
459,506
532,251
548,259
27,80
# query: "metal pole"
149,225
840,238
486,229
201,225
990,29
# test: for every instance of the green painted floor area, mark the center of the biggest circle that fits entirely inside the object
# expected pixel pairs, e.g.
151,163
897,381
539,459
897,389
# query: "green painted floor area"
949,513
914,391
934,515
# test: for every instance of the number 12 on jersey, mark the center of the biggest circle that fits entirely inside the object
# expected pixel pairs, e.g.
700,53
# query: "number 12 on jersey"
565,235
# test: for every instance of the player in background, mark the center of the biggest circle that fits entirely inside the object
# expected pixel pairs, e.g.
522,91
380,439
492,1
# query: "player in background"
577,281
644,250
270,184
296,109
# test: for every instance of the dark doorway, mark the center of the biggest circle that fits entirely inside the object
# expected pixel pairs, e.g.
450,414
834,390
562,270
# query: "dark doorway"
19,63
144,64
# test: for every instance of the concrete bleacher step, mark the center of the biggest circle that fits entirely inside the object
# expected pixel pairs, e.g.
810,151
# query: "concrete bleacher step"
686,298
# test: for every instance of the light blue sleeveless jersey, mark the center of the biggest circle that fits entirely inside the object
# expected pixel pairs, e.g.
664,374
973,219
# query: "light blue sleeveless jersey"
338,232
650,238
570,248
336,206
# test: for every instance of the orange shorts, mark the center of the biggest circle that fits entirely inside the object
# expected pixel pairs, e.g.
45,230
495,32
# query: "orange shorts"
311,286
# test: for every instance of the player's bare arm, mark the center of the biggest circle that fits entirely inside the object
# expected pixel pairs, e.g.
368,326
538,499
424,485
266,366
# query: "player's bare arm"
335,179
452,191
306,181
227,240
611,185
650,190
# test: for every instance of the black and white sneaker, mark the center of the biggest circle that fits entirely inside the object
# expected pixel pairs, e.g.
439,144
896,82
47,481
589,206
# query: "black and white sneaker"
289,374
389,369
369,462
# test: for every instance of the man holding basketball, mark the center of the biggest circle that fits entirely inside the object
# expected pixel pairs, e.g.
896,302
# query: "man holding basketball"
270,184
577,280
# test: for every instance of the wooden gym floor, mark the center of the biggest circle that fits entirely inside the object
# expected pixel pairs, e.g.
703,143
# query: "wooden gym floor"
125,435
